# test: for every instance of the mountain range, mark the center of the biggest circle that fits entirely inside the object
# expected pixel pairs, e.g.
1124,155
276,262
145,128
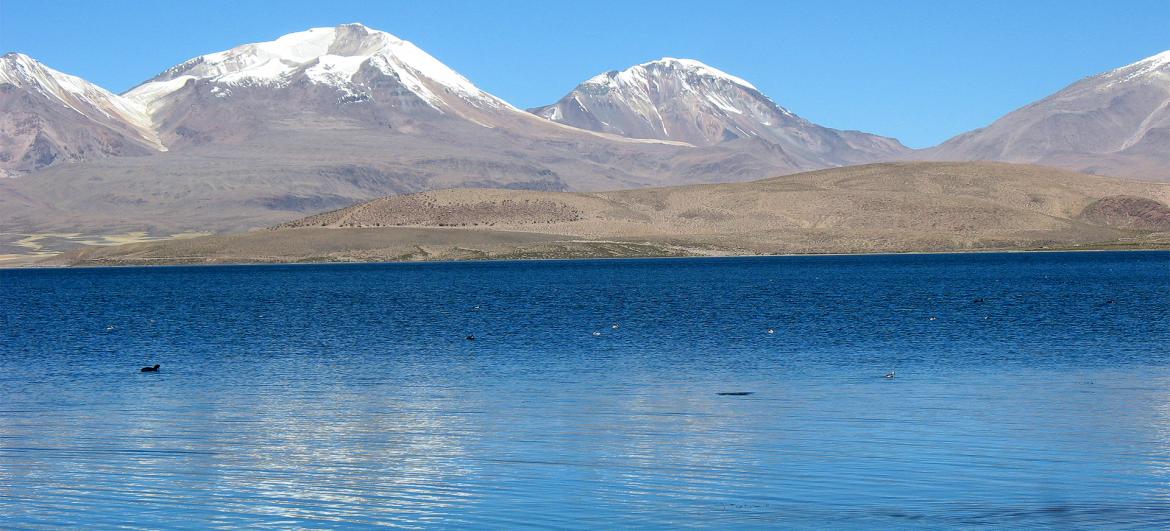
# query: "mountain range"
320,119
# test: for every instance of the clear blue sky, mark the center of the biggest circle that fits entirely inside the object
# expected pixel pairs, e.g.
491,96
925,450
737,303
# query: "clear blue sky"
920,71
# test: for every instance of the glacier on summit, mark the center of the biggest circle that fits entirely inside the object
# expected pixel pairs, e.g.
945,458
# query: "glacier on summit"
325,56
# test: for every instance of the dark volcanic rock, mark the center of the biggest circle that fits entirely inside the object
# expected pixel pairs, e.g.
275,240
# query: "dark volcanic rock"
1129,212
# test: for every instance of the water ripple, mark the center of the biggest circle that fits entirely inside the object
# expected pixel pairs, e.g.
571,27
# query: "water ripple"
328,396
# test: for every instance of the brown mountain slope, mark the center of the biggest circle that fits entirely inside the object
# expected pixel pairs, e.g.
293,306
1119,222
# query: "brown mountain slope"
894,207
49,118
1114,123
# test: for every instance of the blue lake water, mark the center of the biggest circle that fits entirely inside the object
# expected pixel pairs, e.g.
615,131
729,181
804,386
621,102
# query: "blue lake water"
1030,390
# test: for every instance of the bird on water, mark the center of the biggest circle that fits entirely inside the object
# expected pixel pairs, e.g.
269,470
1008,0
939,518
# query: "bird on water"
890,375
150,369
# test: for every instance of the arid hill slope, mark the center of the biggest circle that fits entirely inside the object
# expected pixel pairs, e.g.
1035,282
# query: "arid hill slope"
890,207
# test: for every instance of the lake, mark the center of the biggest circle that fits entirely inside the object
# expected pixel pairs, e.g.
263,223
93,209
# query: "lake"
1030,390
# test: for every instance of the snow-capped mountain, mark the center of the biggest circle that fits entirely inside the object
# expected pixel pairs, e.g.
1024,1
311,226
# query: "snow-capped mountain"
686,100
326,117
348,71
1115,123
48,117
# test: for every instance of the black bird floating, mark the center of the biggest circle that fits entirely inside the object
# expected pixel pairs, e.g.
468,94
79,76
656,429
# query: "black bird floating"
150,369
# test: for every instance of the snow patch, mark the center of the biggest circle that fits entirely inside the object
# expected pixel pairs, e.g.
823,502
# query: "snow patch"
718,101
334,69
1146,68
150,94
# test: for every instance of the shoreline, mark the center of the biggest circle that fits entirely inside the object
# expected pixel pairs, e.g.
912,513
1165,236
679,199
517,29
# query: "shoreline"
1162,248
878,209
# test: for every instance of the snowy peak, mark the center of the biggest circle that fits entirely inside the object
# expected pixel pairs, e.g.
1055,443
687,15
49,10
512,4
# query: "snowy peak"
49,118
669,99
1155,68
272,62
25,72
1157,61
689,101
334,57
78,95
665,66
